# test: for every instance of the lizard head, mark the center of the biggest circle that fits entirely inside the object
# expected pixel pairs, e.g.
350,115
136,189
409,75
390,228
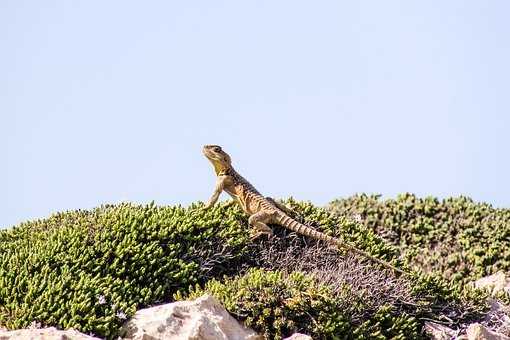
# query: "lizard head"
219,158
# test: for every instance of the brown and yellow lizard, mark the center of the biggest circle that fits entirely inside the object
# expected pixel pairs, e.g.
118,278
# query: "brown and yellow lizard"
264,210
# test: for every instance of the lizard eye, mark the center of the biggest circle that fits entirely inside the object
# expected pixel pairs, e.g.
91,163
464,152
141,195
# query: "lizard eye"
217,149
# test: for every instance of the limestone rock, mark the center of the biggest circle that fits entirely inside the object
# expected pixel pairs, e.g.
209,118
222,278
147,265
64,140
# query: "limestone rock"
495,283
299,336
201,319
477,331
437,331
50,333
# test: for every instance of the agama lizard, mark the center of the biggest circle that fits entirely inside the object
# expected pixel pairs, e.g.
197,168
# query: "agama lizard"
264,210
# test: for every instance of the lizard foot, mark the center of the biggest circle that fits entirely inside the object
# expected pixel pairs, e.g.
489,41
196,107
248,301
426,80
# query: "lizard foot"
257,235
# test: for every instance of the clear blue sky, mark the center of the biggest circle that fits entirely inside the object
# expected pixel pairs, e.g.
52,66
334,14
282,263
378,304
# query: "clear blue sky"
108,101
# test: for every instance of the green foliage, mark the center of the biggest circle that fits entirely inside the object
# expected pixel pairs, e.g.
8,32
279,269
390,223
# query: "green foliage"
345,229
456,237
385,325
91,269
277,305
442,296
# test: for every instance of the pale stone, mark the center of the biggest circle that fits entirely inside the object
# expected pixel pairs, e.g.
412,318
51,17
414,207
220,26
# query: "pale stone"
201,319
476,331
299,336
50,333
495,283
437,331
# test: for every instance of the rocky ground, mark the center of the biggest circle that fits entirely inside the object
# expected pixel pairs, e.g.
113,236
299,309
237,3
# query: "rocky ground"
200,319
206,319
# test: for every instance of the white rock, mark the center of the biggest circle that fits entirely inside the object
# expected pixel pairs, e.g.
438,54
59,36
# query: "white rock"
50,333
299,336
201,319
495,283
437,331
476,331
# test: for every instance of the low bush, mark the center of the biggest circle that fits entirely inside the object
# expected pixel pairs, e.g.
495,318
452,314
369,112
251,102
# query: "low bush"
92,269
277,305
456,237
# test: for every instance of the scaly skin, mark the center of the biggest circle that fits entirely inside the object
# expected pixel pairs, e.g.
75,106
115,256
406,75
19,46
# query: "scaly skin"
264,210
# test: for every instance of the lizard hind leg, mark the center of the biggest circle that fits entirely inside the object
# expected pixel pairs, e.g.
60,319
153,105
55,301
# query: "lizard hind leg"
281,206
258,222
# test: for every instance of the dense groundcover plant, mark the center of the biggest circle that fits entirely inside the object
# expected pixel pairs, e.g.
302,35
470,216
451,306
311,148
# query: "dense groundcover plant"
457,237
91,270
277,305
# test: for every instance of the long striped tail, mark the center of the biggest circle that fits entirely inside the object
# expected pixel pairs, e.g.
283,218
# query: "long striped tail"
292,224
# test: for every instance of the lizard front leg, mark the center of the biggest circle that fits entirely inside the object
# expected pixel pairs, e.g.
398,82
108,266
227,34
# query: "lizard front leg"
220,185
258,222
232,202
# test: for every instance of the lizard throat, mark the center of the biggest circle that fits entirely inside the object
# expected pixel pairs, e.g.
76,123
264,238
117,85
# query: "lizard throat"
220,169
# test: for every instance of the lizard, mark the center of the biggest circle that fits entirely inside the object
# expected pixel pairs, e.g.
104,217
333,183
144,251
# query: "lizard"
265,210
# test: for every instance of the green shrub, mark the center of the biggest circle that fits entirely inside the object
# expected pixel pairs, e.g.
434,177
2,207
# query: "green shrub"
277,305
92,269
456,237
345,229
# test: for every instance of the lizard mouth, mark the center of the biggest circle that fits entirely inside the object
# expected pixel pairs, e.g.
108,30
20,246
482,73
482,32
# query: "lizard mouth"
208,153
